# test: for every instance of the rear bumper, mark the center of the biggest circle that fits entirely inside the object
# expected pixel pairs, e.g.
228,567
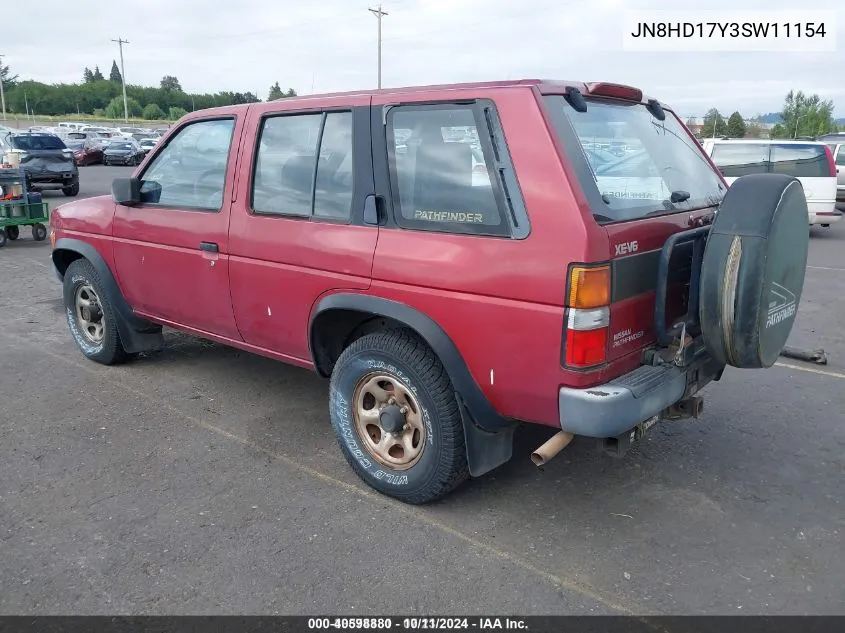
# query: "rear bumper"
611,409
825,217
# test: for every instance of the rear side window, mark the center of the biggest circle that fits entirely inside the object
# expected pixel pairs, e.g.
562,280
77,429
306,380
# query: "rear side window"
800,161
304,166
741,159
440,171
37,142
630,163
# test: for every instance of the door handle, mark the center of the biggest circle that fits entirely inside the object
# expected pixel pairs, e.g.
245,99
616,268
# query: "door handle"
210,247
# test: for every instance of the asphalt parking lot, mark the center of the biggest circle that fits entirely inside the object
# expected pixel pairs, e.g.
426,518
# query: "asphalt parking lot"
206,480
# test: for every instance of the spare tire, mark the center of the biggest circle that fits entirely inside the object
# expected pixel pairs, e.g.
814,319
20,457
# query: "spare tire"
753,270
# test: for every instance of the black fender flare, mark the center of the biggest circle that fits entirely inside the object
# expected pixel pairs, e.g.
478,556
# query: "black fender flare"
136,334
488,434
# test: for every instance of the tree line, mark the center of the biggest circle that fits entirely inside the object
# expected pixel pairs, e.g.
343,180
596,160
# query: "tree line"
802,115
100,96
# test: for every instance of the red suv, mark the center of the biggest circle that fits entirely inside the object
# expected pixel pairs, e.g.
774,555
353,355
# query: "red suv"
454,258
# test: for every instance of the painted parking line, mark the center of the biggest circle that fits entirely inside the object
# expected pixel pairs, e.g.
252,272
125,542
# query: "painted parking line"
812,370
842,270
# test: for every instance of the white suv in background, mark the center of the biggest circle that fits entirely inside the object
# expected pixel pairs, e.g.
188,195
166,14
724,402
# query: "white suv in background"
811,162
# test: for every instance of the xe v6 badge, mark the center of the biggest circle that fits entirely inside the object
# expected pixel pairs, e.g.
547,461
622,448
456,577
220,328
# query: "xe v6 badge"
627,247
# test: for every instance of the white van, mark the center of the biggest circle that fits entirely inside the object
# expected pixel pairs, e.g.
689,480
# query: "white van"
811,162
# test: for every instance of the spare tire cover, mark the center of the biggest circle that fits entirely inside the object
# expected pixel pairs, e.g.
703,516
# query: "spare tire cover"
753,270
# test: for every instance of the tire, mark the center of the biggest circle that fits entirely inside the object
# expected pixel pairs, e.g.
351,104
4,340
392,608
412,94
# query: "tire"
39,232
13,232
2,238
72,190
413,369
108,349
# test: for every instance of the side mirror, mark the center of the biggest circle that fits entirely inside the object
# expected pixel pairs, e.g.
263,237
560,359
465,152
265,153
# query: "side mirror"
126,191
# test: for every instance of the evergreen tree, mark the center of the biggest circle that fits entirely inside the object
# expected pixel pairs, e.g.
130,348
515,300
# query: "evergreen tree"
114,75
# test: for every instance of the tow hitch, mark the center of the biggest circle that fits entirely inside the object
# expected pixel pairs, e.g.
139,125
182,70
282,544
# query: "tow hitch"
618,446
691,407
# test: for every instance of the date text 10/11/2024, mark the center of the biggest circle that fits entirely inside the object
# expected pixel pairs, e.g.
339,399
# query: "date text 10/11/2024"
418,623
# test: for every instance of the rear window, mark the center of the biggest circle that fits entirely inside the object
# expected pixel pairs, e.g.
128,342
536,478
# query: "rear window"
631,164
37,142
800,161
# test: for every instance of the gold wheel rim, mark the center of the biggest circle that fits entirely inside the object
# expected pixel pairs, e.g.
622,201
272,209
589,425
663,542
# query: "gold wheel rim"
89,314
388,421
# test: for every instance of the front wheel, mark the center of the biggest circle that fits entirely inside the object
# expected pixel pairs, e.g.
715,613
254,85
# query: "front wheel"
394,412
2,238
72,189
90,315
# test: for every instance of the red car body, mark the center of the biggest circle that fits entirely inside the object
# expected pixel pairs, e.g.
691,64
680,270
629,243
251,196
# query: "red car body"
495,309
89,154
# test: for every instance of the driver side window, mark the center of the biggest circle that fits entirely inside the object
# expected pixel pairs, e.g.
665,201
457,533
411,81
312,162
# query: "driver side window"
190,171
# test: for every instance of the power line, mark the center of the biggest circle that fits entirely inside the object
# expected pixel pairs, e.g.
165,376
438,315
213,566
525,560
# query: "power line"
379,15
120,42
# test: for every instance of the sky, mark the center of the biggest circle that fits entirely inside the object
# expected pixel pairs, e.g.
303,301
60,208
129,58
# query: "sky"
331,45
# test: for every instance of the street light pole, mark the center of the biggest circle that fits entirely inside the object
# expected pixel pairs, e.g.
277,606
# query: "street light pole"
120,42
379,14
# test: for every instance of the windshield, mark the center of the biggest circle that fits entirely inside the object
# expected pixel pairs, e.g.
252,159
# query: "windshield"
120,146
37,142
75,145
632,164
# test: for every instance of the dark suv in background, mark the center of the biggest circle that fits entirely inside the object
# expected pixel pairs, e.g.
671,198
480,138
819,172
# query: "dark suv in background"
46,160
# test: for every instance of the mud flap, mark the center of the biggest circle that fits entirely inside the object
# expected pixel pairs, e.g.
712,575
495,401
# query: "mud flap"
752,273
485,450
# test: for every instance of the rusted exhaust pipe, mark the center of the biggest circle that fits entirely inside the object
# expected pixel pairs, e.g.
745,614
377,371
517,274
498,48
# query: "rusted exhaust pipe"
552,447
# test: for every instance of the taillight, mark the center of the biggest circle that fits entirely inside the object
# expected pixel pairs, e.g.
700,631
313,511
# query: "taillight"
587,317
830,162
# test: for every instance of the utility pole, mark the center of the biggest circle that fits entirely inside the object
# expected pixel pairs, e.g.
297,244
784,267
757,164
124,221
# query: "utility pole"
379,14
2,94
120,42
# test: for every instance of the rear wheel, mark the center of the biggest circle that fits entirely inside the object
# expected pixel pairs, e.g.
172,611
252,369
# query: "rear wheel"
396,418
90,315
13,232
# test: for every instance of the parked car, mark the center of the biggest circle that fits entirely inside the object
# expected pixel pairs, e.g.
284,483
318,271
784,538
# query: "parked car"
46,160
836,143
124,151
87,152
811,162
444,312
147,144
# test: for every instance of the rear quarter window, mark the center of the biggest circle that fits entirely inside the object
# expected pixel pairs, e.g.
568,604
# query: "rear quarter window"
800,161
